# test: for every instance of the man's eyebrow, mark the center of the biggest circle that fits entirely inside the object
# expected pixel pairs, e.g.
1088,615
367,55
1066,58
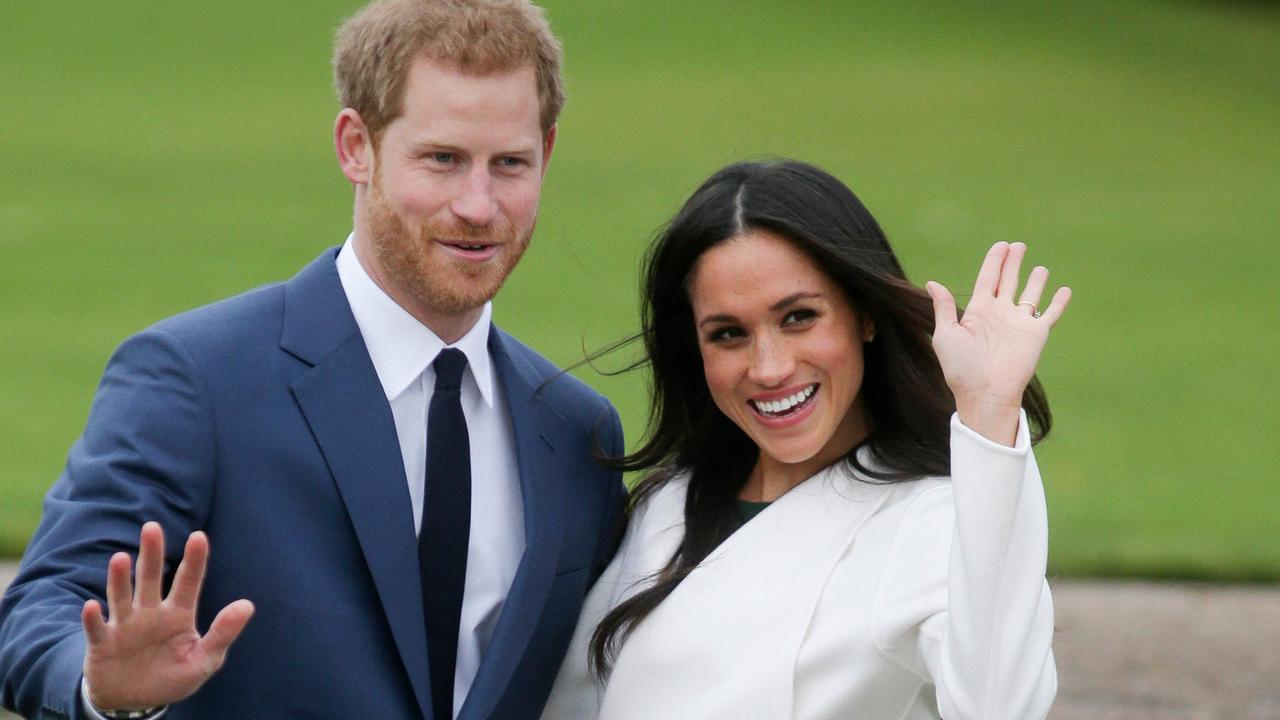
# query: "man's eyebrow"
520,149
426,145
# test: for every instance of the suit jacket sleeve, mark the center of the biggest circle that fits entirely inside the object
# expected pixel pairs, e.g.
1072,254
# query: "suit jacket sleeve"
147,453
965,585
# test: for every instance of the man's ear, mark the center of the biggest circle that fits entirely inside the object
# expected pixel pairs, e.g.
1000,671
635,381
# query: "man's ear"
547,144
354,146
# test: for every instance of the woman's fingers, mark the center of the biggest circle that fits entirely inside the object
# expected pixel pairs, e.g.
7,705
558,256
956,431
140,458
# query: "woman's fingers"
944,306
1057,306
150,570
1011,272
185,592
1030,298
999,277
989,274
119,587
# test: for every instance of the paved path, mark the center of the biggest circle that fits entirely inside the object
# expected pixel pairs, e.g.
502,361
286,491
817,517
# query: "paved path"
1138,651
1168,651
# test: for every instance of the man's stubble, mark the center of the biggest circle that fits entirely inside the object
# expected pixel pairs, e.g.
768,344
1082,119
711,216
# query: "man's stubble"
418,267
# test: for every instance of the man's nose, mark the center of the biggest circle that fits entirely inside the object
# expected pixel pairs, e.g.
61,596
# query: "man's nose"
771,362
474,202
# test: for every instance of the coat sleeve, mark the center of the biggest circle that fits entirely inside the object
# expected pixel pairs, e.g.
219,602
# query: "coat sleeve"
146,454
966,583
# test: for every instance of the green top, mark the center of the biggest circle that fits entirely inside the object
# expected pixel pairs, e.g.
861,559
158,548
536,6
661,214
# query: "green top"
749,509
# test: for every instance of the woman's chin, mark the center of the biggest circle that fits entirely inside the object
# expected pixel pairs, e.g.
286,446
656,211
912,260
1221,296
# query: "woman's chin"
790,453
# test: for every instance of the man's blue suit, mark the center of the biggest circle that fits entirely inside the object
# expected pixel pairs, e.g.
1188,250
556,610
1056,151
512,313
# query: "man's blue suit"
260,420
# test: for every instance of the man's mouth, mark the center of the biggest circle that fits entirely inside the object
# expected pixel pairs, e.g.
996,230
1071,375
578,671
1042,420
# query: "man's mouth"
470,249
788,405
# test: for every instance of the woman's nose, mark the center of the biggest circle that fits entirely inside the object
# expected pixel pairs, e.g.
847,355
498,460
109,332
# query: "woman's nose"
771,362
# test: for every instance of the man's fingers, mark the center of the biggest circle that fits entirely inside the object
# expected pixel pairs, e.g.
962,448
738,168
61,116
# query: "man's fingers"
190,574
226,627
989,274
150,571
944,306
95,628
1057,306
1011,272
119,587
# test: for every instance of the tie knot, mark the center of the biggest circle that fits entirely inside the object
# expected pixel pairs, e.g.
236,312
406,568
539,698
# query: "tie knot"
449,365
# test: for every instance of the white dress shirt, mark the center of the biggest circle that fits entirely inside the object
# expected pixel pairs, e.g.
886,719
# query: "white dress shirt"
402,350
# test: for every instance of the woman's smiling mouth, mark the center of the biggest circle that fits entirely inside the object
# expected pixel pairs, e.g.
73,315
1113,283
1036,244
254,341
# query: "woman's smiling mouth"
785,406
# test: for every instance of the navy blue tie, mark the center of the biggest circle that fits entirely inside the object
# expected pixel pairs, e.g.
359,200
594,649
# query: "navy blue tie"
446,526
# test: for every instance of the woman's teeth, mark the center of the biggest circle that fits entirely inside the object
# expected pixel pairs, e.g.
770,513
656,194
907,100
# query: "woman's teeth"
785,406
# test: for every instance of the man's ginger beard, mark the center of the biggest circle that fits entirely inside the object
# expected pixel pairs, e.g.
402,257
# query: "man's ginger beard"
418,266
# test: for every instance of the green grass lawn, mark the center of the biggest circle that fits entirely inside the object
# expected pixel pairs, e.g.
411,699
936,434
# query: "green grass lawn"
157,156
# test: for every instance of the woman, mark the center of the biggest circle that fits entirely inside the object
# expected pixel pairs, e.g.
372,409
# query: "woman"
894,566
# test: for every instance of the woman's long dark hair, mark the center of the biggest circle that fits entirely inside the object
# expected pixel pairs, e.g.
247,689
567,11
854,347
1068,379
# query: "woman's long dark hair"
908,402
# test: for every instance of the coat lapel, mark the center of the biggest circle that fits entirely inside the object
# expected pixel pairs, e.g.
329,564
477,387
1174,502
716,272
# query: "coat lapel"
754,594
346,408
537,428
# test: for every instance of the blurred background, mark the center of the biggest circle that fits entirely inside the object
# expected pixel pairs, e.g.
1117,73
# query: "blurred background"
156,156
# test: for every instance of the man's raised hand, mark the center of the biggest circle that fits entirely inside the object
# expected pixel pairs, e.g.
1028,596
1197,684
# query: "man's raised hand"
147,652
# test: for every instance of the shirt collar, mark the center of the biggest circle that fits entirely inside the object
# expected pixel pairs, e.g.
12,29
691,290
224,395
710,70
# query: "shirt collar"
399,345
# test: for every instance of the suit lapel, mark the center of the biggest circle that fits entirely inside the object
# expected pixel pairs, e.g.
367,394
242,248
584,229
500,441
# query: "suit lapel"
346,408
537,427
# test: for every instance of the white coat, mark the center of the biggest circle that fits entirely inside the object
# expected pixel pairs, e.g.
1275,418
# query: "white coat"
842,599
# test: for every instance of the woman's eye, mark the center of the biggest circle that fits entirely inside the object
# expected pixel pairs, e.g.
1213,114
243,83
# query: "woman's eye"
798,316
724,334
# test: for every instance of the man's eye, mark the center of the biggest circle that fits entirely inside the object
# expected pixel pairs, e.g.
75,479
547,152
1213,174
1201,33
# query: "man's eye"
444,158
511,162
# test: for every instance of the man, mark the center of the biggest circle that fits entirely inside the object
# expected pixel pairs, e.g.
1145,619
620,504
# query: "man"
390,508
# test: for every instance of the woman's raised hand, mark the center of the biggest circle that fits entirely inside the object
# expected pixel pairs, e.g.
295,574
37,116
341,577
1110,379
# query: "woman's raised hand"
990,355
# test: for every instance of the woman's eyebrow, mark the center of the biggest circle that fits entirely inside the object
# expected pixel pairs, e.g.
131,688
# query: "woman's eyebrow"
718,318
783,303
793,299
